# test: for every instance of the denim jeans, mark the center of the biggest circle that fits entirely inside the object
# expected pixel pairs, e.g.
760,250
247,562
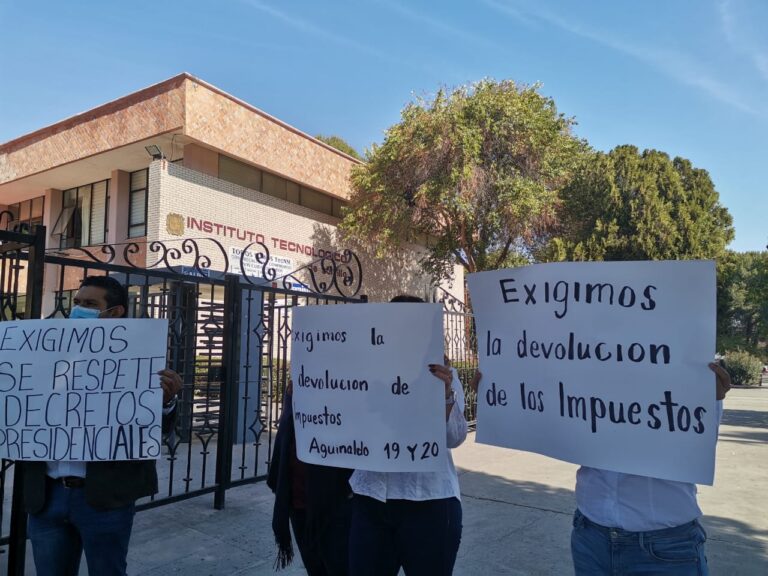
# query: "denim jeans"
422,537
599,550
68,525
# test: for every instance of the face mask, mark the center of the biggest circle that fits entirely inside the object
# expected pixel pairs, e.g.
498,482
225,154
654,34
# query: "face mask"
81,313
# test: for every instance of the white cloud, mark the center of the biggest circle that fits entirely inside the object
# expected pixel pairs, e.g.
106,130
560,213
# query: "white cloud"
677,65
310,28
435,23
741,42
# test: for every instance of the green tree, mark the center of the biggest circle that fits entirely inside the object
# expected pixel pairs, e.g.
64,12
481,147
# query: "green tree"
627,205
742,302
340,144
472,173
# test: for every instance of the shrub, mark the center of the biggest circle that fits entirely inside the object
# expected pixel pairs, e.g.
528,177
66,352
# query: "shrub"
744,368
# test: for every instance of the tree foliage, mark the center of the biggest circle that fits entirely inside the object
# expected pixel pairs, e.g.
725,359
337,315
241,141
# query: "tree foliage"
340,144
742,301
627,205
744,368
473,173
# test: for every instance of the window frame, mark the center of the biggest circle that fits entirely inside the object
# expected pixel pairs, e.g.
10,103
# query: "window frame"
131,194
74,239
23,225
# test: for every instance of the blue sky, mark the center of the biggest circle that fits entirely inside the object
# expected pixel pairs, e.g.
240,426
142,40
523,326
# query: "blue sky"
688,77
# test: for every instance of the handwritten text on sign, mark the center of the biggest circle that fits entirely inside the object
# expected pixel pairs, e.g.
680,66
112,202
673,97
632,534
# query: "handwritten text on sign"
363,396
81,390
601,364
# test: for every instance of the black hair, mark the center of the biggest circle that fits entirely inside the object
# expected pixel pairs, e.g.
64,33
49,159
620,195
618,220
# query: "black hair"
406,298
116,293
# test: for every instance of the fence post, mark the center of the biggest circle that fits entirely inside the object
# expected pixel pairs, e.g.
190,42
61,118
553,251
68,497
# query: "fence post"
229,390
17,546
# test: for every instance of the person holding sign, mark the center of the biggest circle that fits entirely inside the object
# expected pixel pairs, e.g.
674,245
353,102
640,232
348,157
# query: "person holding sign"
411,519
78,506
626,524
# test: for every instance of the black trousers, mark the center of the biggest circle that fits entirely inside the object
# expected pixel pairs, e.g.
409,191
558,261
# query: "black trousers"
422,537
324,549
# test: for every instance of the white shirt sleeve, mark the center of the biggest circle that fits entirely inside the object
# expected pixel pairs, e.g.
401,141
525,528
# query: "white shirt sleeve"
456,427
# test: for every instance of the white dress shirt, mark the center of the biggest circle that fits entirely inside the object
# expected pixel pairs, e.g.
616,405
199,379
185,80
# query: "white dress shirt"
385,486
636,503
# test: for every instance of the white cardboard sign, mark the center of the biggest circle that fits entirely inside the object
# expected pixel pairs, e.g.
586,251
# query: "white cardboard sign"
602,364
363,396
81,390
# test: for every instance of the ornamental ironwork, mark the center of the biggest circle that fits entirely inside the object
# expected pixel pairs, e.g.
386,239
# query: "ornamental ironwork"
338,272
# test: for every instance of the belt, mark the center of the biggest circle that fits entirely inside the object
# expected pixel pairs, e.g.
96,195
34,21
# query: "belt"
68,481
620,533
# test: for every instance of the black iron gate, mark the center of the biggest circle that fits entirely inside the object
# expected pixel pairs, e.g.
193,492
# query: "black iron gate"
228,337
21,281
460,345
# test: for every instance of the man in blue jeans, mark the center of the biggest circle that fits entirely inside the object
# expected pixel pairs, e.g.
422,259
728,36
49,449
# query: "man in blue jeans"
77,507
630,525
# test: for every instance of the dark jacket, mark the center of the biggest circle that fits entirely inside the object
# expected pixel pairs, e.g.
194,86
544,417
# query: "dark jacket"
326,491
107,484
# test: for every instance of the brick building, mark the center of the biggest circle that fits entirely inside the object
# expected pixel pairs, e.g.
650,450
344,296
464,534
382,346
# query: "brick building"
183,159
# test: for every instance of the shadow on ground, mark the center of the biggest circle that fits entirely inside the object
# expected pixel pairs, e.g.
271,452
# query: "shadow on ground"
746,418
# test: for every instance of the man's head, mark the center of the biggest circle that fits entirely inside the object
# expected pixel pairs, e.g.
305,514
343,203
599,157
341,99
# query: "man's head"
406,298
104,294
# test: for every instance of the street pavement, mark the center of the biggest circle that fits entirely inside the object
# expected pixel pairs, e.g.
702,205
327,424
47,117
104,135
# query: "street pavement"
517,513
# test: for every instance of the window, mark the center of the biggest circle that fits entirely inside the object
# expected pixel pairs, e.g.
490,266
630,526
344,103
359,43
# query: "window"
316,201
293,191
247,176
275,186
239,173
83,217
27,214
337,206
137,205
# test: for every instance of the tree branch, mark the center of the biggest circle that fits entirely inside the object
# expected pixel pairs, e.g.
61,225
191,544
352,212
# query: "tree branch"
503,254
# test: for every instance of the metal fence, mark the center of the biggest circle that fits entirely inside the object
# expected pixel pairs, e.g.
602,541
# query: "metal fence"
228,338
460,345
21,280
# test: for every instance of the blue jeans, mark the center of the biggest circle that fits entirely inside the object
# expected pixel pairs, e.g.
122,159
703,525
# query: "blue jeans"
68,525
422,537
599,550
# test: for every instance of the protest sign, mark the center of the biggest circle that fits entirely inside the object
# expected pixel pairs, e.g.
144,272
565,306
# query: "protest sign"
363,396
601,364
81,390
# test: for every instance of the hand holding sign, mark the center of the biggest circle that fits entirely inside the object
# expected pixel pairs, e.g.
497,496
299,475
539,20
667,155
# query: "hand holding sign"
722,380
170,382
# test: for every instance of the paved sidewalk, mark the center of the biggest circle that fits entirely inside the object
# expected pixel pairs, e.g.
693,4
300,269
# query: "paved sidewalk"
517,513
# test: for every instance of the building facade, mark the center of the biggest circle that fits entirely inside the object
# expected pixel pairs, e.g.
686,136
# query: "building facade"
183,160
